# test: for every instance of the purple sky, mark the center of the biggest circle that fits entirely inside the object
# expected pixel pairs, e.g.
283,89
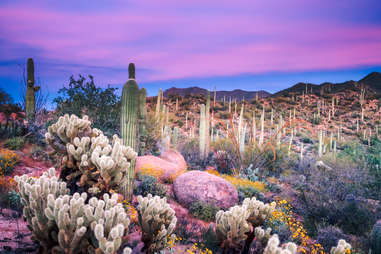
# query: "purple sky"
246,44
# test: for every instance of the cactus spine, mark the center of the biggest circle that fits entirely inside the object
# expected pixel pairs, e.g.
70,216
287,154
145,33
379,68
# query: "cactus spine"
30,98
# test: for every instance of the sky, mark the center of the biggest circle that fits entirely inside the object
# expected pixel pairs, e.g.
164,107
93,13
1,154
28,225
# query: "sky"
246,44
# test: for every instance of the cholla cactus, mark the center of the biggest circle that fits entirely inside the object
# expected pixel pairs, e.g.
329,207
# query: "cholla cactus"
342,247
89,160
67,212
262,235
34,194
232,226
273,247
109,222
258,211
157,221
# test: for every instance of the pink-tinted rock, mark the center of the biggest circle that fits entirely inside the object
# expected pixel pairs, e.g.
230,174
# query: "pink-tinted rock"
166,168
201,186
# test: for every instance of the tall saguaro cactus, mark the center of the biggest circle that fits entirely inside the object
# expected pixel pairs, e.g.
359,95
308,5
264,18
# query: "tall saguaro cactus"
30,98
130,120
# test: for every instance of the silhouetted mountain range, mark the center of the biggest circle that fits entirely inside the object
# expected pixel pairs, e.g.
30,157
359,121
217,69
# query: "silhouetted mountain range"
235,94
371,81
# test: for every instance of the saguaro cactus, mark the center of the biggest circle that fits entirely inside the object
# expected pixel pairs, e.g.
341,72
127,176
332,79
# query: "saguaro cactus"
30,98
129,121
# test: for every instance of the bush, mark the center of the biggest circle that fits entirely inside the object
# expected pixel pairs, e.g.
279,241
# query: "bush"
203,211
83,97
249,192
149,184
191,152
329,236
16,143
8,160
11,200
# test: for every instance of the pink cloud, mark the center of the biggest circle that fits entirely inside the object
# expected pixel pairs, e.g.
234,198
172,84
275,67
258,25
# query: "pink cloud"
163,37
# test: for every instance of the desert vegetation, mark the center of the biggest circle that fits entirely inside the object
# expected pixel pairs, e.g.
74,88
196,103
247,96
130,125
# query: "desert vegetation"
295,172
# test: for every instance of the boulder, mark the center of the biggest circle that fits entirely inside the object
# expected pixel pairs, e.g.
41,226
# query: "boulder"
166,167
201,186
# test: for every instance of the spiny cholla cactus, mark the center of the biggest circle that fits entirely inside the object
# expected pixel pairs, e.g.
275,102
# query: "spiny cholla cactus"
67,212
341,248
232,226
109,222
67,224
258,211
89,160
157,221
273,247
34,194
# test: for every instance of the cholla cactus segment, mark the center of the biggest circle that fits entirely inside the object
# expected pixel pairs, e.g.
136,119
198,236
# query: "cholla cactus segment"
262,235
89,156
273,247
157,221
258,211
35,193
232,226
342,248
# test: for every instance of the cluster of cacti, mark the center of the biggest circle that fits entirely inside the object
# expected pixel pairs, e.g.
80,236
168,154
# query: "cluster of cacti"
157,221
237,225
376,238
64,223
30,98
90,163
342,247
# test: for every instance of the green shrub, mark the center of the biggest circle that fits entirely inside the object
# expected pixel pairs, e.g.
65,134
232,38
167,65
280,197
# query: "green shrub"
149,184
11,200
203,211
15,143
248,192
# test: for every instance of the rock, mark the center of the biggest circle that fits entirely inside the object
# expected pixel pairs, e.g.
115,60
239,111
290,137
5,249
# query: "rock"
166,167
201,186
322,166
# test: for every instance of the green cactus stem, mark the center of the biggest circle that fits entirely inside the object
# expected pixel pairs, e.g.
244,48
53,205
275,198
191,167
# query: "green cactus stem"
30,98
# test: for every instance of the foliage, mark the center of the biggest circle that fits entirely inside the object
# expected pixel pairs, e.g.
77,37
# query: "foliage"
285,214
203,211
149,185
5,98
15,143
248,192
191,153
329,236
8,160
83,97
12,200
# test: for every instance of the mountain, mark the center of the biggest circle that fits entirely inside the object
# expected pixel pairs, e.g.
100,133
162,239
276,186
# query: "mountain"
372,81
235,94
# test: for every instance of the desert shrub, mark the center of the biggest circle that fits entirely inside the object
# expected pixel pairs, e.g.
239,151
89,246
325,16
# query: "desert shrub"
149,184
203,211
209,239
329,236
12,200
191,153
226,157
248,192
8,160
83,97
327,194
15,143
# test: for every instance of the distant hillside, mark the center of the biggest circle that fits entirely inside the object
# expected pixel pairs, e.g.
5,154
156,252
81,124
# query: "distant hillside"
372,81
235,94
